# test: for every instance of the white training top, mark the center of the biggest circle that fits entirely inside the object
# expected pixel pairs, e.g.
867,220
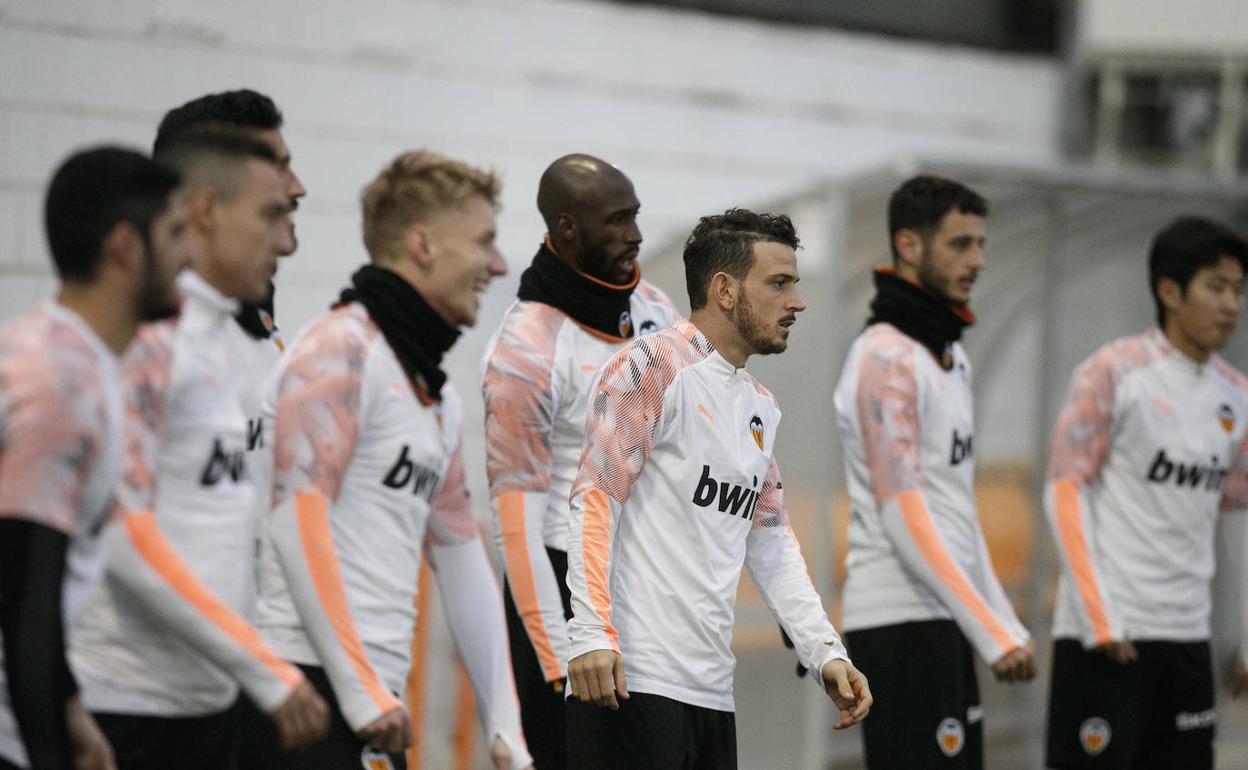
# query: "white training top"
165,635
677,491
368,475
916,549
537,374
1148,447
60,459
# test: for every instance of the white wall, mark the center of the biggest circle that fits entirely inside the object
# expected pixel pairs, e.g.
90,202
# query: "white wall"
1194,27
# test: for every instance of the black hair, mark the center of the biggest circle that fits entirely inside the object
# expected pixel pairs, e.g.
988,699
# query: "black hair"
922,201
725,243
1186,245
91,192
242,109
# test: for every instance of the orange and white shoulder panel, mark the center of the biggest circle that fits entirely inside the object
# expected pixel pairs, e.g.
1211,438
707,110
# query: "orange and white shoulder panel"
677,492
60,415
166,633
917,551
1148,447
537,373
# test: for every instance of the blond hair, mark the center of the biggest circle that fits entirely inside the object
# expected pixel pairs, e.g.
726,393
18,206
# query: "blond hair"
410,189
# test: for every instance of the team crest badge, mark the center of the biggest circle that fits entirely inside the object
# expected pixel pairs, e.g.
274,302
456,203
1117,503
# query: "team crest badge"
1094,735
756,430
647,326
371,759
626,324
950,737
1226,417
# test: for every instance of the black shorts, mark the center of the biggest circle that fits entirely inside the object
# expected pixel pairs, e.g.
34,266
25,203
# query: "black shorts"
1157,712
158,743
341,749
649,732
926,712
542,711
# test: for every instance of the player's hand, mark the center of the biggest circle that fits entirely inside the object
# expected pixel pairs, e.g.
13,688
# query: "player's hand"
302,718
847,687
1239,677
391,732
500,755
598,677
1017,665
1120,651
90,748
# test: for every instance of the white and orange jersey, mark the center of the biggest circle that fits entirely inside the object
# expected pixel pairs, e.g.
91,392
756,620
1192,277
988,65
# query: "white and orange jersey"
165,635
60,450
368,474
537,374
916,548
678,490
1148,447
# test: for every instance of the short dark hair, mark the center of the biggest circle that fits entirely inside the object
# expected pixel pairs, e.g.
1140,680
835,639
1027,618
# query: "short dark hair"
724,243
213,156
1185,246
90,193
242,109
922,201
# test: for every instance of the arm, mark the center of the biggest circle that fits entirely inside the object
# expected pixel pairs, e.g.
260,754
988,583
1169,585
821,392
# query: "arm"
887,401
32,568
315,433
518,390
474,609
144,564
626,405
777,568
1080,444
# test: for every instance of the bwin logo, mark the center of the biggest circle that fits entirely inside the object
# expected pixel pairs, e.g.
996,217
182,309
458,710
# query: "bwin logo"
221,464
1163,469
961,449
731,498
404,472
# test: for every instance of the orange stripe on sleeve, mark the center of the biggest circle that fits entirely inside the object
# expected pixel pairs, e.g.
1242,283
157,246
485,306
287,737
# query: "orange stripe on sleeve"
312,513
1070,529
596,540
151,544
919,522
520,578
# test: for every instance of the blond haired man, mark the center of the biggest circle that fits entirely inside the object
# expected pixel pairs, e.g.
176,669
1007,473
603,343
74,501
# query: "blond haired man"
368,474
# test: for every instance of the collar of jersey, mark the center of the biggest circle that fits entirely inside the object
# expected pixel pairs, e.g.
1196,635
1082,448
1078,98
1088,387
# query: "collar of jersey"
80,325
195,288
1168,350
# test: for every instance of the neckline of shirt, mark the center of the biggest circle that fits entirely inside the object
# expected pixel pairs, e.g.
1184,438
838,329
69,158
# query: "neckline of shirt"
193,286
1180,358
79,324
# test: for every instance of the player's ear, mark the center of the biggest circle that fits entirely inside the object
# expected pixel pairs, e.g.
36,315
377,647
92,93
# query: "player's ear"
1169,292
122,247
417,246
723,291
908,246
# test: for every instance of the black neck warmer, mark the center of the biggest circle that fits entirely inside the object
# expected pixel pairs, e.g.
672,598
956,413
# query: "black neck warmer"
257,319
601,306
415,332
919,314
